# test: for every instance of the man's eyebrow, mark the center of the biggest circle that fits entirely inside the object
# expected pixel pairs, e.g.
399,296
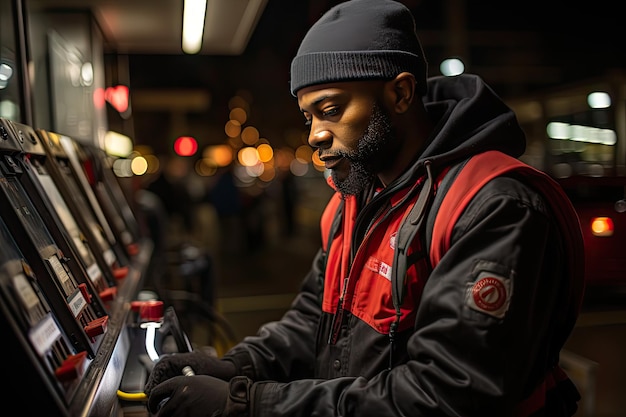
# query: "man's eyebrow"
320,99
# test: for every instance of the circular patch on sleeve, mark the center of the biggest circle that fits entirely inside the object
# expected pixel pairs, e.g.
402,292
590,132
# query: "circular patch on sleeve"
489,294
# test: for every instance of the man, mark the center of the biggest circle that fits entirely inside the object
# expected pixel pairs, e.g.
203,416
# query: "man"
473,331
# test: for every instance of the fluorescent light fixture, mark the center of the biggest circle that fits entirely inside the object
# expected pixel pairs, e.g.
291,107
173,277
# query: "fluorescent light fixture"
599,100
194,12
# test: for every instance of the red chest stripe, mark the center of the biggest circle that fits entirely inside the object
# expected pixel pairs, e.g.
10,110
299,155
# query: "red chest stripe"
369,292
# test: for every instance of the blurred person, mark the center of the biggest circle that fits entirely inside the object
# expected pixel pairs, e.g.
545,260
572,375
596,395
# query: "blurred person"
289,194
170,186
468,323
224,195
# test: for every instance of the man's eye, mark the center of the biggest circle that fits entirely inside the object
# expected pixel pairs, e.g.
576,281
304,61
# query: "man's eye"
307,123
330,112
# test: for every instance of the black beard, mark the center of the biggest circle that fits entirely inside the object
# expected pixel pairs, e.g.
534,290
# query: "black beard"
373,153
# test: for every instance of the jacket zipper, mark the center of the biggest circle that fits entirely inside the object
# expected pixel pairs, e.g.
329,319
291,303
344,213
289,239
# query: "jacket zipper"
381,215
335,325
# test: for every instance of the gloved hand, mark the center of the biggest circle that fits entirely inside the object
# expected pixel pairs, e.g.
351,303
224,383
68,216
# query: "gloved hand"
172,365
202,396
199,395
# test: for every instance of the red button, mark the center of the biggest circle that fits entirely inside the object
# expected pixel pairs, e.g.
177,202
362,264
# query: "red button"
85,292
97,326
121,272
108,294
71,367
151,310
133,249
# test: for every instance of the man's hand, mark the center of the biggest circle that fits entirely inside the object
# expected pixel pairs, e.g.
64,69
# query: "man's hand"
200,395
171,366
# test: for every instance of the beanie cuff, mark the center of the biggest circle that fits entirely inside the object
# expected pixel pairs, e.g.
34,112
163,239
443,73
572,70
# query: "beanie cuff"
326,67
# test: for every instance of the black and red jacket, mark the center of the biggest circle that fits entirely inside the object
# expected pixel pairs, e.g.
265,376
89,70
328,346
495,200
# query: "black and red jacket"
479,329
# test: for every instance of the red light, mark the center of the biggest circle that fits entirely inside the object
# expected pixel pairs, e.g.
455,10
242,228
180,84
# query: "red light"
98,98
602,226
118,97
185,146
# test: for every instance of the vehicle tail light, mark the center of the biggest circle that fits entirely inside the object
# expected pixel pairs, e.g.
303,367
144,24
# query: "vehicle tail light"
602,226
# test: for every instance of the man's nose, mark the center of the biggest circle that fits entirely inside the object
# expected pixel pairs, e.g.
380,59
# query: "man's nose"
319,137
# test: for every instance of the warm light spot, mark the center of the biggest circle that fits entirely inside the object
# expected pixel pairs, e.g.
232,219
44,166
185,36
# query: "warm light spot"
248,156
268,174
153,163
317,162
139,165
304,153
237,101
205,167
255,170
250,135
266,153
221,155
602,226
232,128
238,114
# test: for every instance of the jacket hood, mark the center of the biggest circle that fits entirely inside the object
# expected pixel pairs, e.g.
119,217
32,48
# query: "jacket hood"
470,118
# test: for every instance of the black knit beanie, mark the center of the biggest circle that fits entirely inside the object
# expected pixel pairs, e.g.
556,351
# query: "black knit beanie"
360,40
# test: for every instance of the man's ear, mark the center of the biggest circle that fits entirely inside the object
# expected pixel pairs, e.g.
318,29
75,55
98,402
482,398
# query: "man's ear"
401,91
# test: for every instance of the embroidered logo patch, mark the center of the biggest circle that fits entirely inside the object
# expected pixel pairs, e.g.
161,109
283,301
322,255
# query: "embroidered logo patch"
379,267
392,240
490,294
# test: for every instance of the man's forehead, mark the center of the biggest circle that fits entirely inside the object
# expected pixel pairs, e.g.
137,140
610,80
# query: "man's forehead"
316,94
327,88
319,92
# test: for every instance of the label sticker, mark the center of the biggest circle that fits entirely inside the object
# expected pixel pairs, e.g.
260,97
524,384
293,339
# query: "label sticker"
379,267
44,334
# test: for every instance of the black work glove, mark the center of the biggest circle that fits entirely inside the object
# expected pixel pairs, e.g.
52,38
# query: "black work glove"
201,396
202,363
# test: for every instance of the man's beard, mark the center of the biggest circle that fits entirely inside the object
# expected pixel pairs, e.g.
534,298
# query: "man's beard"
373,153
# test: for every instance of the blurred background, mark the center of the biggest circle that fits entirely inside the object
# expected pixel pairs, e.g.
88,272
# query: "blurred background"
212,139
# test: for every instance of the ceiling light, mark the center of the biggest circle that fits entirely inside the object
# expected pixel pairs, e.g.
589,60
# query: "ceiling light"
194,12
